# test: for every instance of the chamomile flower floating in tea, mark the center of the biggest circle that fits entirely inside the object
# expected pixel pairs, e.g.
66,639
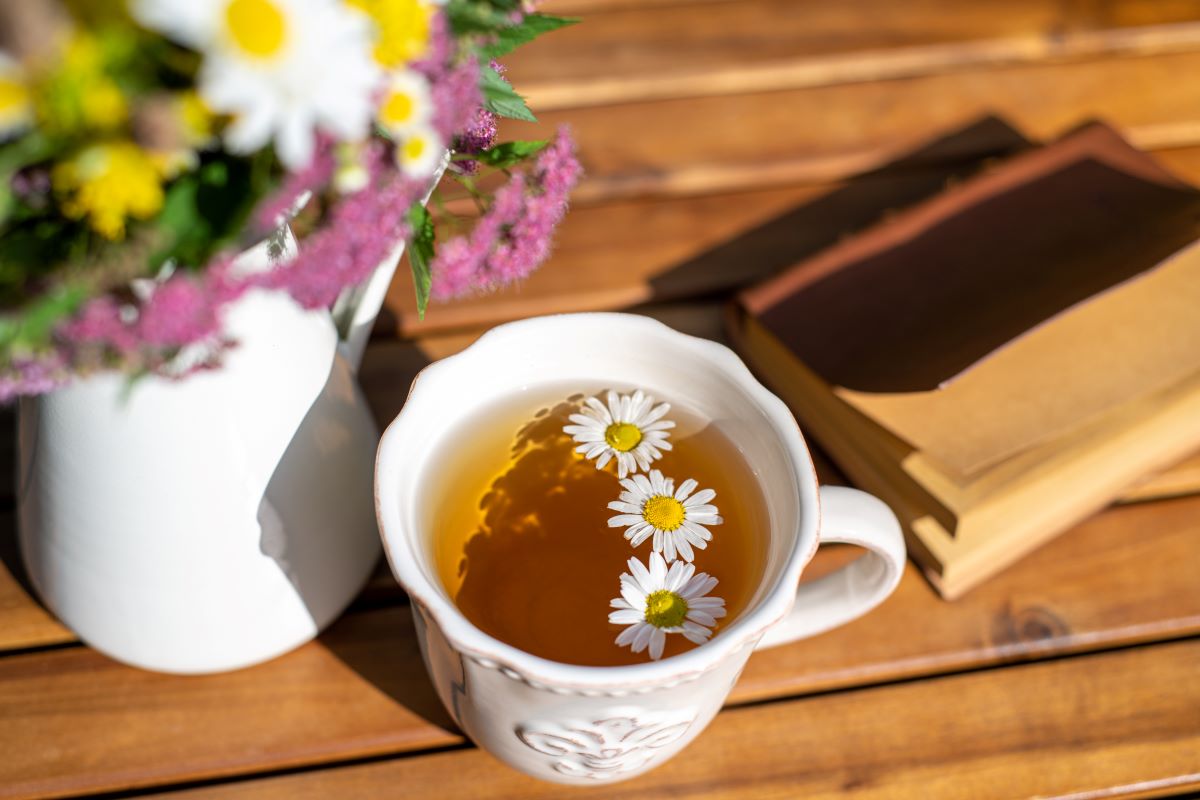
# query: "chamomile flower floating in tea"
630,428
676,518
656,601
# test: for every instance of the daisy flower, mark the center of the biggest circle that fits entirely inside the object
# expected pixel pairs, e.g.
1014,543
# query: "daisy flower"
658,601
420,152
651,506
282,68
407,105
630,428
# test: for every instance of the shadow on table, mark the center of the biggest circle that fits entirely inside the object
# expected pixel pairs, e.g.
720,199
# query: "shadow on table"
857,203
381,646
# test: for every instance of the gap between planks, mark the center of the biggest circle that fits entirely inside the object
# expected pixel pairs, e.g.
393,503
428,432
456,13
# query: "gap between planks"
361,690
1082,727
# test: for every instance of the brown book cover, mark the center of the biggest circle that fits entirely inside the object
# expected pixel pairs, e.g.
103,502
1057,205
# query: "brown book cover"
988,346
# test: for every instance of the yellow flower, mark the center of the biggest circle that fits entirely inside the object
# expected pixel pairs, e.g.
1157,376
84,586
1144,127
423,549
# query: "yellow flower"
403,28
16,110
108,183
77,95
197,121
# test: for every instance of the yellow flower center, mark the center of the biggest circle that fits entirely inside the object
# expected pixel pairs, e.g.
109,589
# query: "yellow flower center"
622,436
257,27
414,148
663,512
403,27
665,609
397,109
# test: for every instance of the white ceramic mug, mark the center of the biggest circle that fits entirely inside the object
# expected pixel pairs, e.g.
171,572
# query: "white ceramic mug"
582,725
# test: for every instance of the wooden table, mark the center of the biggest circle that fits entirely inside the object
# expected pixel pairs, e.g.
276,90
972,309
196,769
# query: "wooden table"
724,139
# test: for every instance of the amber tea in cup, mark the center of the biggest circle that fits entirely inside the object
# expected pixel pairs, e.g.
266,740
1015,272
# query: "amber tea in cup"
521,535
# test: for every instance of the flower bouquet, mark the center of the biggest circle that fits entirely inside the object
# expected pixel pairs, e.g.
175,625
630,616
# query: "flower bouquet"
220,190
142,146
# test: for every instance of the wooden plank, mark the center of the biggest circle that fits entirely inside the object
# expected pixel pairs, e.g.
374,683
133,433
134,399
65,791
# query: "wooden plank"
568,7
823,134
623,253
629,252
1112,725
24,622
669,51
388,369
76,722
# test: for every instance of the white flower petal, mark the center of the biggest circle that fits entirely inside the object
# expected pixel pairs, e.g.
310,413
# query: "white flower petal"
643,636
684,547
633,595
626,616
658,570
642,534
678,576
658,641
640,574
700,497
697,533
622,520
685,488
628,635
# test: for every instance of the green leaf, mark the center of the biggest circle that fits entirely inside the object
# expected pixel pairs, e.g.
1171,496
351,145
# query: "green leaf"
509,153
30,329
473,16
500,99
533,26
420,254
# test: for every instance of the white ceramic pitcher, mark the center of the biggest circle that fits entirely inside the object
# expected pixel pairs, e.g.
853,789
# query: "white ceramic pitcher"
586,725
209,523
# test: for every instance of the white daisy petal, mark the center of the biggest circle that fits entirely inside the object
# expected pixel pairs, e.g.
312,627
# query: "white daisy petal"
627,636
699,585
624,520
658,570
658,641
686,488
642,638
698,532
641,575
695,633
628,616
656,413
643,533
633,595
700,497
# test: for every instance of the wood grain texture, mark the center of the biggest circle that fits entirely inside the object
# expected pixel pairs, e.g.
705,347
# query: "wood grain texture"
1110,725
1125,576
24,622
624,253
822,134
669,51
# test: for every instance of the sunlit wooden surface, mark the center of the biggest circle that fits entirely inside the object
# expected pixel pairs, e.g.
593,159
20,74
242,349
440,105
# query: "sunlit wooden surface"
724,138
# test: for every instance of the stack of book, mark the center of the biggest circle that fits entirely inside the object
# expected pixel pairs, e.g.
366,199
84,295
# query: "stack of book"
1004,357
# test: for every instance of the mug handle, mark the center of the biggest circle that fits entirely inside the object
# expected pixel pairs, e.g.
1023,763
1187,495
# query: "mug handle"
851,517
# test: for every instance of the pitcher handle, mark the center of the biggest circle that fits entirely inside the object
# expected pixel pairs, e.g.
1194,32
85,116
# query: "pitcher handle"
851,517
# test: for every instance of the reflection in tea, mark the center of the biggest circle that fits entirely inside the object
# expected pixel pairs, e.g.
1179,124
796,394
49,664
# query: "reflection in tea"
523,542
